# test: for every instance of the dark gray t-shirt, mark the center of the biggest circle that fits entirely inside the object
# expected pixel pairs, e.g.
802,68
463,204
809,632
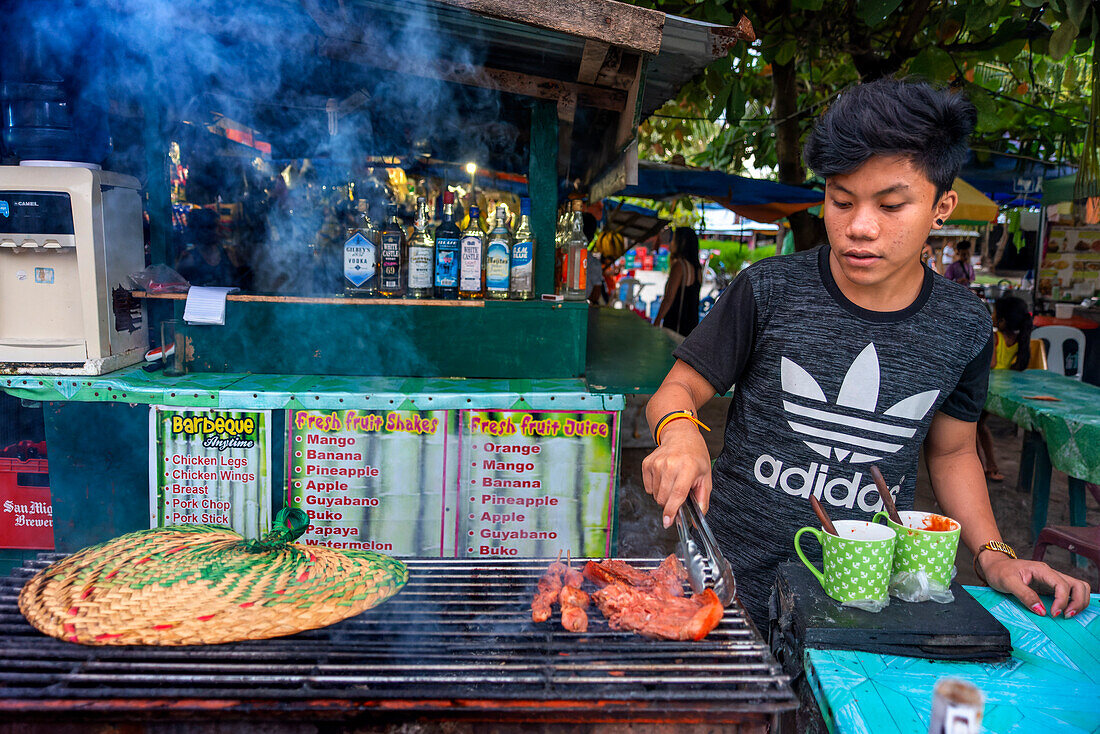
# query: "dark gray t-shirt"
824,390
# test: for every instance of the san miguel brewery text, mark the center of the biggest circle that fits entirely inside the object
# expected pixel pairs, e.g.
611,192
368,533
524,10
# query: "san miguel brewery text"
33,514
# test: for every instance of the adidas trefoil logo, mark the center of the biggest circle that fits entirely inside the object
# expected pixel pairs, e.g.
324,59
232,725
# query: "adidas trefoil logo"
846,433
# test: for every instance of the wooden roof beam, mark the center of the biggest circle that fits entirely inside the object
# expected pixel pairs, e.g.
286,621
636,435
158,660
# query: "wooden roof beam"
513,82
614,23
592,61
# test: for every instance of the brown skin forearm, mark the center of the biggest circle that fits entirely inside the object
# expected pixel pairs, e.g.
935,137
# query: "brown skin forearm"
681,464
959,485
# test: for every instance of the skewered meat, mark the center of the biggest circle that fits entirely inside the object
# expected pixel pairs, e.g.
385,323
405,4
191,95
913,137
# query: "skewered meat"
651,603
549,587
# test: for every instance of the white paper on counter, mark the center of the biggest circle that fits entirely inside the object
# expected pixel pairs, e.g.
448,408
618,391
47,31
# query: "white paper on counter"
206,305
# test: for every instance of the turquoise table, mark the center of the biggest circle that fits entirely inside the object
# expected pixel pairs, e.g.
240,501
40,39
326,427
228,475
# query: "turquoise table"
1051,684
1062,434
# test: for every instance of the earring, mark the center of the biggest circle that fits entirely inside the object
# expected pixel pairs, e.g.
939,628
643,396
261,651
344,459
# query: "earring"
939,222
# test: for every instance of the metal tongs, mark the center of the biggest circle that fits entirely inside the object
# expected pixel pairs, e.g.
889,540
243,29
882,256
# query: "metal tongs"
700,566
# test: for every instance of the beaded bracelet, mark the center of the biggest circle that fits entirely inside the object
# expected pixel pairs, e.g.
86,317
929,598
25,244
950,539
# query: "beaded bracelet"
687,414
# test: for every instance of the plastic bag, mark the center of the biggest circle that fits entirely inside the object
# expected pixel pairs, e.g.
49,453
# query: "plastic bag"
868,605
159,278
917,586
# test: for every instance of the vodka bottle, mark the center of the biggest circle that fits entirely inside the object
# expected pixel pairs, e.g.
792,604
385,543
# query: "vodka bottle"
361,257
392,283
446,251
498,257
472,254
421,255
522,284
576,257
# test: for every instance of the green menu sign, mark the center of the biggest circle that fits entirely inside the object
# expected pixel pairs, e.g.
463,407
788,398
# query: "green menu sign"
210,467
455,483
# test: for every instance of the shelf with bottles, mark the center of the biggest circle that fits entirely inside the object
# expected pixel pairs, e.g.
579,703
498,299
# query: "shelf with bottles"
339,300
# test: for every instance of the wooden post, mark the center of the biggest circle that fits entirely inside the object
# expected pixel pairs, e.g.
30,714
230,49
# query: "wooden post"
159,202
542,187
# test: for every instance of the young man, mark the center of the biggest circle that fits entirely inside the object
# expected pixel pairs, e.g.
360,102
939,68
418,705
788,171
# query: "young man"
845,356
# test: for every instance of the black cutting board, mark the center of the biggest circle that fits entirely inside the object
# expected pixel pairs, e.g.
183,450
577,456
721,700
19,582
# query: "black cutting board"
961,630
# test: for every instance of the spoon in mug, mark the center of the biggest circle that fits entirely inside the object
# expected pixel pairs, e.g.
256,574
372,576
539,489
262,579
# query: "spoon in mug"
826,523
884,492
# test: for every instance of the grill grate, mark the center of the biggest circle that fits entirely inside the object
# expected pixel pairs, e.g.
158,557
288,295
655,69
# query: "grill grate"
460,631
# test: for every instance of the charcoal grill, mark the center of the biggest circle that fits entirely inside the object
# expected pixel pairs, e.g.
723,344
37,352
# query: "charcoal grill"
457,643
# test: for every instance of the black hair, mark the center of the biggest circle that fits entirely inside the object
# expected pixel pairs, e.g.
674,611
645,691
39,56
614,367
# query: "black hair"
964,245
888,116
686,245
1017,320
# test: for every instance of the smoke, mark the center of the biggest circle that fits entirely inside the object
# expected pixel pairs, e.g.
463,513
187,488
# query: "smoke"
334,82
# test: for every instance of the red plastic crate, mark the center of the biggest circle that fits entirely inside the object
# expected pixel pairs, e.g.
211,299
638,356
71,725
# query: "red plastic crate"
26,512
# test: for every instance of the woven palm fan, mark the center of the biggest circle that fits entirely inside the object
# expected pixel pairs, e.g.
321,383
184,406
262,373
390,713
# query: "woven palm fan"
205,584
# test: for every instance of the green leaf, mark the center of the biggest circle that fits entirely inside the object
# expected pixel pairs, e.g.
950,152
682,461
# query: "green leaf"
719,105
1033,3
807,4
735,108
1062,38
933,64
787,52
1076,10
873,12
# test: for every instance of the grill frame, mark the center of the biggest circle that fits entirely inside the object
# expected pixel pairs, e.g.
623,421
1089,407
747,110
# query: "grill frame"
456,643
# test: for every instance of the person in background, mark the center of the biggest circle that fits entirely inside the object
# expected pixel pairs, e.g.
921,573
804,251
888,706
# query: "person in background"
680,305
205,261
947,254
962,270
928,256
1012,328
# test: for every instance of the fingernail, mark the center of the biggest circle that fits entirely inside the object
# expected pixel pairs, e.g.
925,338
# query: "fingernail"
667,520
1039,609
1070,614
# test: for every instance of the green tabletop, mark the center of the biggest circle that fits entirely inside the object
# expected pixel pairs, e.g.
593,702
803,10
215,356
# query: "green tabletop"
1070,425
1050,684
626,354
324,392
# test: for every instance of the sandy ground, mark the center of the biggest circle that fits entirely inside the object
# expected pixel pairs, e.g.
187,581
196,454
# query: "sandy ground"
641,533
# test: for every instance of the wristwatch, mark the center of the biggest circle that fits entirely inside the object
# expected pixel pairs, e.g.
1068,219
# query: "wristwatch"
993,545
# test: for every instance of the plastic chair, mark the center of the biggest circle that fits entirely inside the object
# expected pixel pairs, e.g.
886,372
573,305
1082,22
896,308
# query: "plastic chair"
1061,360
1084,541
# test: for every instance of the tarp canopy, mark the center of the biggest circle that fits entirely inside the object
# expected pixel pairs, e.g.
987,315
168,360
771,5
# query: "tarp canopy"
998,175
764,201
636,223
974,207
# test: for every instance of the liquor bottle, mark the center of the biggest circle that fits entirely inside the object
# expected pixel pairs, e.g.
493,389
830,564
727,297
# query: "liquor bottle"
561,236
498,257
576,257
392,284
421,255
361,257
446,251
471,253
522,284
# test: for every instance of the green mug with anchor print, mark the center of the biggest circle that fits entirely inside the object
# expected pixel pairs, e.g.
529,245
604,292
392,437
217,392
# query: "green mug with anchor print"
857,560
926,542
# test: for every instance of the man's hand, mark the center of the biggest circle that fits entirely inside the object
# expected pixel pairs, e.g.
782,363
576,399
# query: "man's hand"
1017,577
681,464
